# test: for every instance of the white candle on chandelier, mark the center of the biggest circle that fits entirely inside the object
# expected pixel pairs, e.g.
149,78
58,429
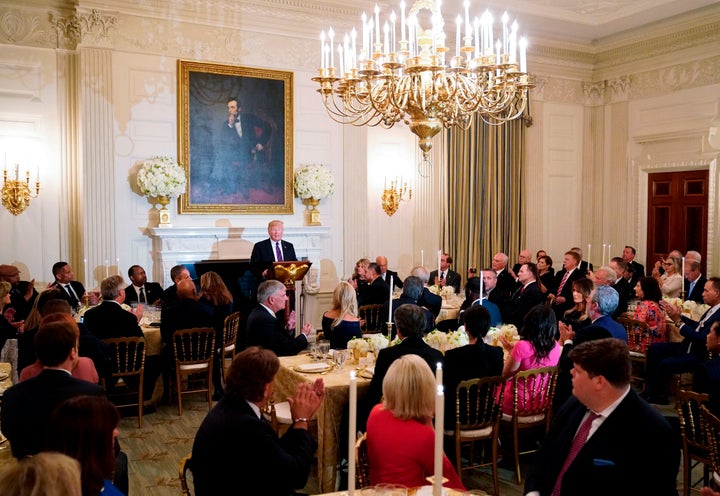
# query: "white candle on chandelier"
377,24
386,36
458,21
86,272
389,320
322,49
505,41
488,50
402,21
331,35
364,33
466,4
353,53
513,43
523,60
393,39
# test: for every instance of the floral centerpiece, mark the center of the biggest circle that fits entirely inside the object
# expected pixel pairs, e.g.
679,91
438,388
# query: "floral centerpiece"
163,178
445,291
690,308
359,347
444,341
313,182
509,331
377,342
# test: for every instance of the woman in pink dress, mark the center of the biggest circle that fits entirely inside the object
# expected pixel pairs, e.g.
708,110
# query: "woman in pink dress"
400,434
649,310
537,348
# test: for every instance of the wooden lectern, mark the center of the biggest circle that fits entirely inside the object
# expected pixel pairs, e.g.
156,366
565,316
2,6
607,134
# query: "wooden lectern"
288,273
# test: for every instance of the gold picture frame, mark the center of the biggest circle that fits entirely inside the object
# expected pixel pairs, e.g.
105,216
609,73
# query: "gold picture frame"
236,162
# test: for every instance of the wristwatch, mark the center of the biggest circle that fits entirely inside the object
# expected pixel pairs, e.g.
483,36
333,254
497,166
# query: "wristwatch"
678,323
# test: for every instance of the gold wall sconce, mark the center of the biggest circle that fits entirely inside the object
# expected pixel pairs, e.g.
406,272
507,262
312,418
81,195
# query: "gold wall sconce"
16,194
391,197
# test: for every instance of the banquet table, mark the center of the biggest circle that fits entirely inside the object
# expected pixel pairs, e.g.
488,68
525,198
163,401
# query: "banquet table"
330,414
153,340
6,370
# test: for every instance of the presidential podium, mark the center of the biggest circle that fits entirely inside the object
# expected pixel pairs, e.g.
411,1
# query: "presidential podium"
289,273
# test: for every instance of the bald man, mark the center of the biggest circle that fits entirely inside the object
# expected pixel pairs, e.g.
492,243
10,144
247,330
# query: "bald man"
385,274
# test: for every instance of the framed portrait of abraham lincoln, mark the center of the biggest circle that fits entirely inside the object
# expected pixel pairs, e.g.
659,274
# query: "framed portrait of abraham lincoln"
235,133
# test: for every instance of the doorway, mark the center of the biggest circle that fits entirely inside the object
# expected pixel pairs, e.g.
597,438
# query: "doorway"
677,214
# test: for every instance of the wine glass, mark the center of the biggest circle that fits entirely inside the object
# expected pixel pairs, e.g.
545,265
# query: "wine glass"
323,349
339,357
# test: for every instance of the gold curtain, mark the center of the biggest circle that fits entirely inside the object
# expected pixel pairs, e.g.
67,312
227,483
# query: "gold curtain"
485,191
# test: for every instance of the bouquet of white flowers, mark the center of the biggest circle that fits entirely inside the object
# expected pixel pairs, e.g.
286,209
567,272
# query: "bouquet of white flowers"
443,341
694,309
313,181
377,342
509,331
457,338
161,176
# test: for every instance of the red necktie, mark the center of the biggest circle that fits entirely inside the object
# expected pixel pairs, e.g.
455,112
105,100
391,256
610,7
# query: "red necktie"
278,253
562,283
577,444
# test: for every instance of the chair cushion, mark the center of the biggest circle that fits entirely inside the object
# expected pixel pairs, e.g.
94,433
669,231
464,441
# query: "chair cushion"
529,419
476,433
194,366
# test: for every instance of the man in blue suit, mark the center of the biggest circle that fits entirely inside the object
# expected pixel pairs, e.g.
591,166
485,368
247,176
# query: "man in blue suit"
605,435
602,302
665,359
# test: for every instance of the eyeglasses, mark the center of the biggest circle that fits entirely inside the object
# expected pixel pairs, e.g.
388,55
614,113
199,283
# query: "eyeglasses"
667,263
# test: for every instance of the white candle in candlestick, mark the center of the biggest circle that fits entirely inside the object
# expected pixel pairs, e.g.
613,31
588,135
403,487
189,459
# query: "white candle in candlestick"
602,259
107,269
117,264
364,33
513,43
86,272
351,433
683,268
386,41
466,4
505,18
331,36
523,55
439,420
476,24
439,260
422,257
390,301
609,256
402,21
438,374
322,49
393,39
588,254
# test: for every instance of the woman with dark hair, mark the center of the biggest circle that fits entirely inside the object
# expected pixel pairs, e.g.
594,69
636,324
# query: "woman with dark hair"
215,296
546,272
648,309
537,347
577,316
85,428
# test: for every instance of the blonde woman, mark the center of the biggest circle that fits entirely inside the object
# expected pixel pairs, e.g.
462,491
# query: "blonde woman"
7,330
671,282
341,323
357,279
400,434
44,474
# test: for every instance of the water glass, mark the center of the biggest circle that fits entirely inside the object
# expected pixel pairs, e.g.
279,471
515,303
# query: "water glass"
323,349
339,357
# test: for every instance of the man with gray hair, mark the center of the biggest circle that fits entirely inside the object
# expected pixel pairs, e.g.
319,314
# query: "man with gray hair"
427,299
694,281
109,319
601,304
606,276
266,329
412,291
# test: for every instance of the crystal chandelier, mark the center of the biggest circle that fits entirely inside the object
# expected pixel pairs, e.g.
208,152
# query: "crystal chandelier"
406,78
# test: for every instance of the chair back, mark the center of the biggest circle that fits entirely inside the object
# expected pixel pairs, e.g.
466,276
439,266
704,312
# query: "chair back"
712,432
533,392
230,333
692,432
370,318
128,356
362,463
478,410
639,334
193,349
185,467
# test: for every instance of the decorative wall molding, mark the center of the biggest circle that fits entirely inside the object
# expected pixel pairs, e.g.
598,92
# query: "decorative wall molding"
93,28
594,93
678,77
619,89
19,29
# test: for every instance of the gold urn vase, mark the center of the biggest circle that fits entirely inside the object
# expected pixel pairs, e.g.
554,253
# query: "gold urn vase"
164,212
313,214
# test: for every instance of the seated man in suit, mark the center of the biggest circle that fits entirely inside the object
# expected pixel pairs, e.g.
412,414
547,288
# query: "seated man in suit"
73,291
583,266
386,274
170,297
27,406
447,276
621,285
620,435
265,329
409,322
505,283
273,249
606,276
706,378
376,291
410,295
141,291
601,304
427,299
109,319
665,359
638,269
694,281
492,293
22,294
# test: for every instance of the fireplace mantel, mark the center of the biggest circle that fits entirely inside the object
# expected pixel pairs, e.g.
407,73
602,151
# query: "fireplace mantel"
175,245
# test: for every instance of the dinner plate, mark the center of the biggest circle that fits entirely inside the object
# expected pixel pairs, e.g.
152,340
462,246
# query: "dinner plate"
367,373
312,368
4,375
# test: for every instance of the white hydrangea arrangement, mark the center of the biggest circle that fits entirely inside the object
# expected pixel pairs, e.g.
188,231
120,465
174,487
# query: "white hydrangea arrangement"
694,309
509,331
161,176
443,341
444,291
377,342
313,181
359,344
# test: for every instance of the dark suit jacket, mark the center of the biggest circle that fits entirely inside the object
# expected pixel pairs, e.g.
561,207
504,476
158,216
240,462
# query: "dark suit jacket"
634,439
468,362
697,291
638,272
612,326
266,330
410,345
563,386
566,290
376,292
27,406
188,313
451,279
584,267
506,284
430,301
263,255
404,300
77,287
625,293
520,304
694,334
153,293
397,282
17,300
258,462
109,320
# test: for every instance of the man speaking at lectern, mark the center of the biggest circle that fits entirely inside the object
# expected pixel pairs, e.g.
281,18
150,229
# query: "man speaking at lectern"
271,250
